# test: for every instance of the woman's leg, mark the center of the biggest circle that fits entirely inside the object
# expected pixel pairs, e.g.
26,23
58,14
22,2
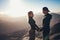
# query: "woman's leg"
32,35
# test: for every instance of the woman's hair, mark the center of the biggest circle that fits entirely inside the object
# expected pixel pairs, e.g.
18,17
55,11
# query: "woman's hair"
30,12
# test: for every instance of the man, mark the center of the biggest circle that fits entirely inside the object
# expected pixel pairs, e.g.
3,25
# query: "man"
46,23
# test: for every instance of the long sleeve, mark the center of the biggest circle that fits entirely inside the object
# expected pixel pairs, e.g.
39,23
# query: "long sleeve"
46,22
37,28
33,24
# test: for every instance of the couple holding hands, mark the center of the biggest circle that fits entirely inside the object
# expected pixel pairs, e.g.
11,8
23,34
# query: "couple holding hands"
46,24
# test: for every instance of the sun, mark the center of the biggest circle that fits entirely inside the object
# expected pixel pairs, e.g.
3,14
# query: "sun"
18,8
15,8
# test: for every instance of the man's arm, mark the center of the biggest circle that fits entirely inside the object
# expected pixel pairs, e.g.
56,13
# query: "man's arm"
47,22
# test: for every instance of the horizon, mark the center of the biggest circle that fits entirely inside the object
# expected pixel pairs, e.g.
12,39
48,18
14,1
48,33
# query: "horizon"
5,15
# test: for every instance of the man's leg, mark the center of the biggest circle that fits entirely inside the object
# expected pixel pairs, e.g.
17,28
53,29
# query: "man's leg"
45,35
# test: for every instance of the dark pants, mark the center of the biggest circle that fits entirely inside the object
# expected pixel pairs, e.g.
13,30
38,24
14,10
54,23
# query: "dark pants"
46,34
32,34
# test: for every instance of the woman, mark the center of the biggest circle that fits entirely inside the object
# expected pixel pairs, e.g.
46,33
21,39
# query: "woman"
33,26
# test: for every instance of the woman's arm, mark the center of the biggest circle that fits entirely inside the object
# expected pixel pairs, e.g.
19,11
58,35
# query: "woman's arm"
34,24
36,27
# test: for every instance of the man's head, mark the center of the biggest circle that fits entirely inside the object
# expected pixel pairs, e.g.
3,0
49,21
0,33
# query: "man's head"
45,10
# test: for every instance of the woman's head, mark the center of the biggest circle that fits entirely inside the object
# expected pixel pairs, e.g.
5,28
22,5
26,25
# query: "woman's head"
30,14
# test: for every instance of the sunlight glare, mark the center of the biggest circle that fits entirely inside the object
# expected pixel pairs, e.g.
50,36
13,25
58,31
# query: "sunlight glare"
16,8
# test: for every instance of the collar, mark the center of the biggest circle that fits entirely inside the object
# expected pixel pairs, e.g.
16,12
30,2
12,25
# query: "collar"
47,14
30,17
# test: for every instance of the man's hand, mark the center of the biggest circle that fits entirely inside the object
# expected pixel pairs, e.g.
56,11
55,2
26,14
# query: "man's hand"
38,30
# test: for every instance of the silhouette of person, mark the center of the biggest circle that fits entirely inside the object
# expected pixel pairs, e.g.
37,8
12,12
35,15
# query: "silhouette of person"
46,23
33,26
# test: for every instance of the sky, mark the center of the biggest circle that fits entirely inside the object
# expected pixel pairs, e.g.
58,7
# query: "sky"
16,8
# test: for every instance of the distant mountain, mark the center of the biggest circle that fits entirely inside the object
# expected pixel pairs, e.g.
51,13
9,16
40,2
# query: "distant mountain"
55,18
56,28
55,32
